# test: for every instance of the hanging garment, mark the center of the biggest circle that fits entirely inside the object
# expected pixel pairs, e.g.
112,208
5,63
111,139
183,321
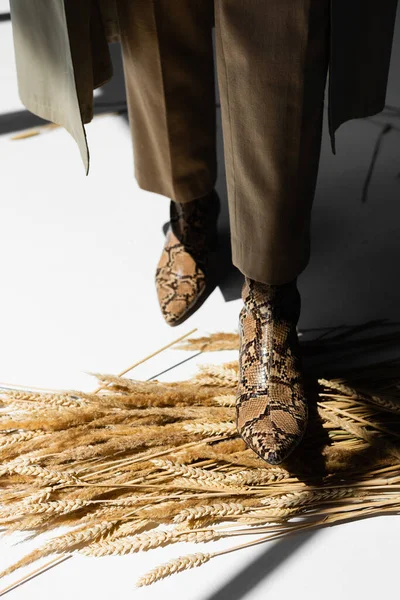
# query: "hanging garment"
62,55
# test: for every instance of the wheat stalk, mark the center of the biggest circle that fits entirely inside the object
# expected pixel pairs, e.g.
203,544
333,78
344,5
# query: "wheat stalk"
121,466
208,429
174,566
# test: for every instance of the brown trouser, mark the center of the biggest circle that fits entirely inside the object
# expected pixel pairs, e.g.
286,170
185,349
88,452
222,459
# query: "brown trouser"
271,58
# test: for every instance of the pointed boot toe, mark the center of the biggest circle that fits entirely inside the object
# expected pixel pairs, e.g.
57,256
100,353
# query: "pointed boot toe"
180,282
183,272
271,407
273,434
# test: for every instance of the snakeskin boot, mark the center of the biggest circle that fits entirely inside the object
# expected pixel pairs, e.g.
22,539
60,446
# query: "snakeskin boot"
271,410
183,273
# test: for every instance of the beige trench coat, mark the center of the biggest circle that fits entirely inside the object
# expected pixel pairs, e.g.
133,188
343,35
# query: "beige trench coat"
62,55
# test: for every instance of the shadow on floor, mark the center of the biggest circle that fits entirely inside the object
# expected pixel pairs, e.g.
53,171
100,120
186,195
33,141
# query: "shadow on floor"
261,567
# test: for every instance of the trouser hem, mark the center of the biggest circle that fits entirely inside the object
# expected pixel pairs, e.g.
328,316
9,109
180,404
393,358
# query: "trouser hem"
275,270
178,192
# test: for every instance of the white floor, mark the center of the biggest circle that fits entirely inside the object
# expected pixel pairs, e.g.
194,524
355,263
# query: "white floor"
77,260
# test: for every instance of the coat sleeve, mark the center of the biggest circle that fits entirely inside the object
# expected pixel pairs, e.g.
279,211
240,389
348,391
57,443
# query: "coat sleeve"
61,55
44,67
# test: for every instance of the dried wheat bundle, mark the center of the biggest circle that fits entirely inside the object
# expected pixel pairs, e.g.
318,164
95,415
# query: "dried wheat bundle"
143,464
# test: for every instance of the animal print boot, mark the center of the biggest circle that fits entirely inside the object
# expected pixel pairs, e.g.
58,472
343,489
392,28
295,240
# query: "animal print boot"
271,410
182,272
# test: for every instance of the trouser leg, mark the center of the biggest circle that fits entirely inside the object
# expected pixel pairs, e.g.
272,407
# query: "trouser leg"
168,60
272,59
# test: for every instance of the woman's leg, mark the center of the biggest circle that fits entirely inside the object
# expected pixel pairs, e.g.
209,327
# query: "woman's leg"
169,74
272,59
168,62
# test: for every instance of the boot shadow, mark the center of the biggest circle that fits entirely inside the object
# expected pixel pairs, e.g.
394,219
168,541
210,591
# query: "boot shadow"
318,458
